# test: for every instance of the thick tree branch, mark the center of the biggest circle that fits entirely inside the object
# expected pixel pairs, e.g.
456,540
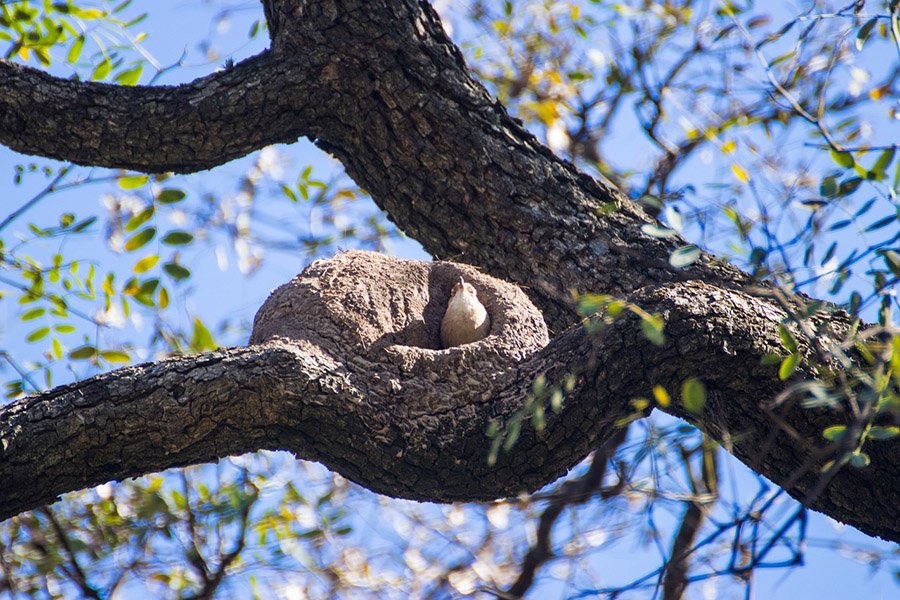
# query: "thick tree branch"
275,396
197,409
261,101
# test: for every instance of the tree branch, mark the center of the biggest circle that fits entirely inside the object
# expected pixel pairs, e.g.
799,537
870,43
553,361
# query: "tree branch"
261,101
335,410
275,396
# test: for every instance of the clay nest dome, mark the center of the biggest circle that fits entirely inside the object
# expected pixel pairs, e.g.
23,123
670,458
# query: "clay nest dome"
405,417
380,317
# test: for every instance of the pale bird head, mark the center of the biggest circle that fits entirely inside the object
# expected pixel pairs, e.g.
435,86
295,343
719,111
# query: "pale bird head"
464,287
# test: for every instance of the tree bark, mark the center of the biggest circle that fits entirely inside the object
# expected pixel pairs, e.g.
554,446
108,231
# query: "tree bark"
379,85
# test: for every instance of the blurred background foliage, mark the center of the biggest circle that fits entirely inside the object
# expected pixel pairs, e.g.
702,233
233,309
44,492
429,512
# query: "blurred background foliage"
765,132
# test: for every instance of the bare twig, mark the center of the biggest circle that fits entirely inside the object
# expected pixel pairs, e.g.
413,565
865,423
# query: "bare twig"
49,189
76,572
572,492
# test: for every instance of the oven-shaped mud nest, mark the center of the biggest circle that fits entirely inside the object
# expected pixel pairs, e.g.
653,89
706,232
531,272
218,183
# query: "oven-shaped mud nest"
380,316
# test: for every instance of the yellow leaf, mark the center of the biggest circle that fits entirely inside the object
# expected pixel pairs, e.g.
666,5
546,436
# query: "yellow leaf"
877,93
146,263
728,147
661,395
740,173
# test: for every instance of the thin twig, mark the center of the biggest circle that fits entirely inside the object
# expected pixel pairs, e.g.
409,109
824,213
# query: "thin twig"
51,187
573,492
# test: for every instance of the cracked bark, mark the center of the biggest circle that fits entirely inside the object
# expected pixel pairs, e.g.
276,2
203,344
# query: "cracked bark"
380,86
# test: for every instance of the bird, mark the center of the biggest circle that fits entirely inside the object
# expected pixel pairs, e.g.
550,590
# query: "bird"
466,319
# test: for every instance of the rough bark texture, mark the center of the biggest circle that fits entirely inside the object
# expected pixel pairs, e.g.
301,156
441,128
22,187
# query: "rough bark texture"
378,84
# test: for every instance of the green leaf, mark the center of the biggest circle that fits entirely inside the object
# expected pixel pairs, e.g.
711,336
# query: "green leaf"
83,352
202,339
512,435
132,182
64,328
884,161
89,13
828,188
140,218
828,254
788,366
140,239
834,433
855,302
170,196
176,271
771,358
892,259
41,53
880,432
289,193
34,313
38,334
844,159
144,293
684,256
102,70
130,76
693,395
538,419
556,400
864,32
787,338
657,231
177,238
82,225
607,208
114,356
674,218
782,58
897,176
75,50
848,186
653,329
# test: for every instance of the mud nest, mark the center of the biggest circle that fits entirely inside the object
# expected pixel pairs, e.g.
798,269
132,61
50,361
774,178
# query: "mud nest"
379,317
